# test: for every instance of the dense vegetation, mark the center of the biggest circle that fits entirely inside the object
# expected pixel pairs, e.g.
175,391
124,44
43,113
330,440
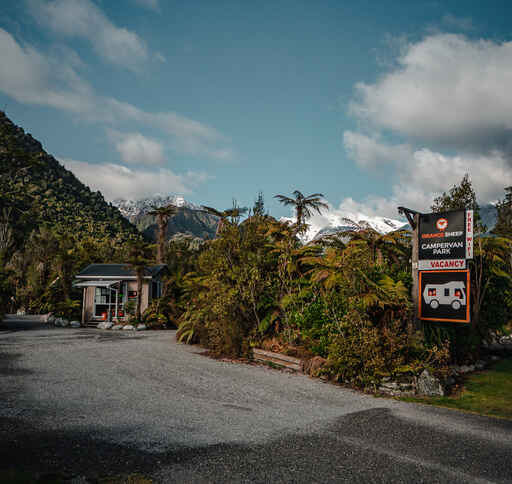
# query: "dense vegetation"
51,225
344,298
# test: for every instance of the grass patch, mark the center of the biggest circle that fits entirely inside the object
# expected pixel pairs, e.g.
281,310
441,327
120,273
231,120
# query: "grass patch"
488,392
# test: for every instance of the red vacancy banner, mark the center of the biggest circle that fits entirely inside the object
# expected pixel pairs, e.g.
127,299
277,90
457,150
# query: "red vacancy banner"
426,265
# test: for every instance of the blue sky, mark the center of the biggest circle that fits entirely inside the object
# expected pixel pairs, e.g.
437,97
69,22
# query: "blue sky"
374,104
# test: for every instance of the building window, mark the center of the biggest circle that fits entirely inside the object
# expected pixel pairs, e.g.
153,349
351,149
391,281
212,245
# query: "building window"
105,302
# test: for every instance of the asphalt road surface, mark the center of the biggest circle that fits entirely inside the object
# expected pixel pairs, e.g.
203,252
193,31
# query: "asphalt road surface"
83,405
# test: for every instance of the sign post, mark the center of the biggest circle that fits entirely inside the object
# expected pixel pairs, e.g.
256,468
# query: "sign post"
414,219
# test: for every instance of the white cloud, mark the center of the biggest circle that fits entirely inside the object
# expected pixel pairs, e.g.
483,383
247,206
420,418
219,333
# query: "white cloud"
136,148
118,181
187,135
423,174
32,77
370,153
446,90
151,4
83,19
160,57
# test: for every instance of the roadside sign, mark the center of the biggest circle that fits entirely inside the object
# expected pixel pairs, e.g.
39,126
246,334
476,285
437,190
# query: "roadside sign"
445,240
444,296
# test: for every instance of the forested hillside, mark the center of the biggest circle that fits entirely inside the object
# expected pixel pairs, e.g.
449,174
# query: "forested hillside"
51,224
40,191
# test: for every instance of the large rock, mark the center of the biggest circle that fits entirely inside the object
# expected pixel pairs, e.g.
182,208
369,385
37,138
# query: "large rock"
75,324
57,322
429,385
117,327
128,327
64,323
141,327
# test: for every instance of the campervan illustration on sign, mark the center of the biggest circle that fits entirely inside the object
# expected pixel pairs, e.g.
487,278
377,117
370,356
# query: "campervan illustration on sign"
451,293
444,296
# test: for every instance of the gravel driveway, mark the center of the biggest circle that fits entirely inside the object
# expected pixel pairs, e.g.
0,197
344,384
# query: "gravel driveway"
86,404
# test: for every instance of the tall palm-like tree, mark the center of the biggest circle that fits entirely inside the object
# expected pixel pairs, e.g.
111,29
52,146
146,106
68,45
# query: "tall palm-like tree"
162,214
393,245
304,206
234,212
137,261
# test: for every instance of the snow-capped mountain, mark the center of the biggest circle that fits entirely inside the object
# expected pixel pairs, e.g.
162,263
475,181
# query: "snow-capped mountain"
336,221
190,219
132,208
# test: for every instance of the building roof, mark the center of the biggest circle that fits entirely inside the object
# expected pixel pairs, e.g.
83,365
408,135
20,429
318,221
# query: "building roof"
157,269
118,271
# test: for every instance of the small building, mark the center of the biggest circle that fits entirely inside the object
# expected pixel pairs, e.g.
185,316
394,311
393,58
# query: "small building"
107,288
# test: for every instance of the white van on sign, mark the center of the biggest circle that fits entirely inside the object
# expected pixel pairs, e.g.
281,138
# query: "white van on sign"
450,294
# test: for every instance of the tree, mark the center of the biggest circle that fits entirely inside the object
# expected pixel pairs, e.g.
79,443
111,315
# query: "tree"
504,216
234,212
392,246
490,265
259,206
137,260
461,196
492,261
303,206
162,214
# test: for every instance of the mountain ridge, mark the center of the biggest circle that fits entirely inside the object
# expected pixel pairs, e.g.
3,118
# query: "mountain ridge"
189,219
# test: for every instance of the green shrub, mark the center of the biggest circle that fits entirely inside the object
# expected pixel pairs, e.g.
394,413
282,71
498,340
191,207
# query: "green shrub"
232,291
363,353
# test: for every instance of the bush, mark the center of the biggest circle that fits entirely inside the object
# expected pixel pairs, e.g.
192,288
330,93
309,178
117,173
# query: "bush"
317,321
363,353
228,297
154,316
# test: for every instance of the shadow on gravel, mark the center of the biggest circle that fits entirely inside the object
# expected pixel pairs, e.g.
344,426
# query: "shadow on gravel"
15,326
117,336
8,365
65,454
368,446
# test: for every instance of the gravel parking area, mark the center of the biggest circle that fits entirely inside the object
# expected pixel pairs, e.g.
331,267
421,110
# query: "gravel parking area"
86,404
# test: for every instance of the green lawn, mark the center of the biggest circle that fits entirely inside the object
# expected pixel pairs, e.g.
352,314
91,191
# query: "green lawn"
488,392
